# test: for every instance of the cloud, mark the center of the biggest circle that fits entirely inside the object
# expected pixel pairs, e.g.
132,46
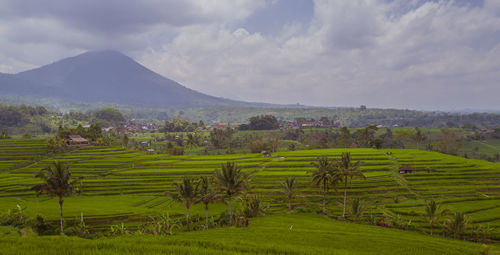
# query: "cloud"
417,54
66,27
436,55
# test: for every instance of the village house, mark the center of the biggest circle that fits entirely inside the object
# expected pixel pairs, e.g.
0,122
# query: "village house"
76,140
406,169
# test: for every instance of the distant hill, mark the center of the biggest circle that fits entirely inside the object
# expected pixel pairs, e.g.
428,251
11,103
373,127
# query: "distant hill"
107,76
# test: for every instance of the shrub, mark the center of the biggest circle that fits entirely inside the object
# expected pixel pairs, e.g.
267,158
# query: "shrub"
176,151
42,227
14,217
301,209
119,230
160,225
252,206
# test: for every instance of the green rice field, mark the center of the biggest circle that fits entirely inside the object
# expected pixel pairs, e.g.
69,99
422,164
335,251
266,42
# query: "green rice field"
277,234
125,186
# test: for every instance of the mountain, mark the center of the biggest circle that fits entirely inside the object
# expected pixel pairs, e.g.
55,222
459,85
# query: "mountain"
107,76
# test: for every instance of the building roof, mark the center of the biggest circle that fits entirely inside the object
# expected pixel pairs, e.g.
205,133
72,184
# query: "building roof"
407,168
77,138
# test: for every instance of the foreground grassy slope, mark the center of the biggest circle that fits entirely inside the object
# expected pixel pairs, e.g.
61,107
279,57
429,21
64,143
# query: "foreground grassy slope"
278,234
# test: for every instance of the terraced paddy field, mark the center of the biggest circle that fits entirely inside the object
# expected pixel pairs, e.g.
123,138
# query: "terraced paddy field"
127,186
15,153
276,234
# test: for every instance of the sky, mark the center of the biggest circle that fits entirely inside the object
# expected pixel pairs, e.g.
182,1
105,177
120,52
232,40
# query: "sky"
411,54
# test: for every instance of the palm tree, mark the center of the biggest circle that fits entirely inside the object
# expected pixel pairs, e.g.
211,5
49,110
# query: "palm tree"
58,183
432,213
289,187
207,195
191,140
231,181
458,224
187,191
347,170
324,177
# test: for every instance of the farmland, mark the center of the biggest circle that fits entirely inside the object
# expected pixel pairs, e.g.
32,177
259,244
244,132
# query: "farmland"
277,234
126,186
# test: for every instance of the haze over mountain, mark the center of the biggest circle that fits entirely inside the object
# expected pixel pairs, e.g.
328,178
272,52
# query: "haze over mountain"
106,76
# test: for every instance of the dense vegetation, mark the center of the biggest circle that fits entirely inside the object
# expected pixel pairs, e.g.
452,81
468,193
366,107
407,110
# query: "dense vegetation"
352,117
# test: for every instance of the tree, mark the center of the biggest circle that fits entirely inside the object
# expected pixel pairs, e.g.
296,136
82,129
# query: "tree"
274,141
289,187
110,114
207,194
94,132
432,214
457,224
221,138
324,177
231,181
191,140
405,136
449,142
57,182
187,191
4,135
263,122
365,136
344,139
125,140
418,137
347,170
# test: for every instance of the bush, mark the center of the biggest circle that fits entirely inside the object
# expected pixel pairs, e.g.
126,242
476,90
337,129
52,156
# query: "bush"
42,227
79,228
258,145
301,209
14,217
252,206
176,151
160,225
118,230
223,220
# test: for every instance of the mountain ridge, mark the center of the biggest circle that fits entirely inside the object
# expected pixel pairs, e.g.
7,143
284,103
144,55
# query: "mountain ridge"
108,76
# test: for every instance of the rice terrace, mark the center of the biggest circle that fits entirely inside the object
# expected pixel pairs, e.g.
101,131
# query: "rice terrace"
123,189
250,127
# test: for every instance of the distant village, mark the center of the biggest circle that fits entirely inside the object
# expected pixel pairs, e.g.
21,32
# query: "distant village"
133,126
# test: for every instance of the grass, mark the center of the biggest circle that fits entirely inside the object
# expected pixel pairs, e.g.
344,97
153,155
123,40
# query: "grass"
277,234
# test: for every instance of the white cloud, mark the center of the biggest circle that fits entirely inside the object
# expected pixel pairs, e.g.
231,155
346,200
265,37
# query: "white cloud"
435,55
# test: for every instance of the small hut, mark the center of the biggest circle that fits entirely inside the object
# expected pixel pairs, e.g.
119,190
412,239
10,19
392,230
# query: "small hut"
266,154
76,140
406,169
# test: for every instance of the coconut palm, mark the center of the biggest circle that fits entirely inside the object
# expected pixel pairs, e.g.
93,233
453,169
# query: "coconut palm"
324,177
347,169
457,224
191,140
289,187
207,194
57,182
231,181
432,213
187,191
